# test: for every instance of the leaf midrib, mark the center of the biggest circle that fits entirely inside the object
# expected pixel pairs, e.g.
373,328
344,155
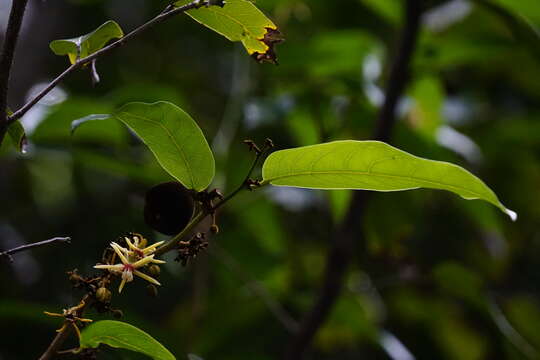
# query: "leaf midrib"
349,172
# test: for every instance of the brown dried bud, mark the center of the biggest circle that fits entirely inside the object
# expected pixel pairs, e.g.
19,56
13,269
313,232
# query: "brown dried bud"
152,290
154,270
103,295
214,229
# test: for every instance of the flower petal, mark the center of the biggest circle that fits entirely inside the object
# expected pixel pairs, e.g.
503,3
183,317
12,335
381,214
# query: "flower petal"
118,250
146,277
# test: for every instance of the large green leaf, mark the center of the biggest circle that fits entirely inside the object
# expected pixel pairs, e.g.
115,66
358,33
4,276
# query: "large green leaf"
240,20
122,335
82,46
370,165
175,139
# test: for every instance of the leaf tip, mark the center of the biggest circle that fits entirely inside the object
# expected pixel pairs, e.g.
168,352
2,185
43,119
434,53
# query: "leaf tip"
513,215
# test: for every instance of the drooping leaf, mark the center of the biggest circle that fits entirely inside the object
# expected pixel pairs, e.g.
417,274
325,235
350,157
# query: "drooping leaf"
240,20
118,334
76,123
371,165
82,46
175,139
18,136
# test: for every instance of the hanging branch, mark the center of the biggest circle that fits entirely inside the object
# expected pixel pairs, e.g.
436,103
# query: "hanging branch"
169,12
350,231
16,16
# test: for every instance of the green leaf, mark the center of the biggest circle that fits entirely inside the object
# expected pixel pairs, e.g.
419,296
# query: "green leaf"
240,20
122,335
82,46
175,139
371,165
18,136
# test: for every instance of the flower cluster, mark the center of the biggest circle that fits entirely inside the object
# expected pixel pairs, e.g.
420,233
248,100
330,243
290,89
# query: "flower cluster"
132,258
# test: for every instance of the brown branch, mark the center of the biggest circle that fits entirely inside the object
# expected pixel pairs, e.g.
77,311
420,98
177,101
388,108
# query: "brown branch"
16,16
55,345
350,231
166,14
63,334
9,253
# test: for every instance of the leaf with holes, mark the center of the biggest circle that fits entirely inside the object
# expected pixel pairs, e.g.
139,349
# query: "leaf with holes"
175,139
371,165
240,20
82,46
118,334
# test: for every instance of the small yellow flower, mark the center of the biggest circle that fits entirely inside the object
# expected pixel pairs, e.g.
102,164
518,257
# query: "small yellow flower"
132,259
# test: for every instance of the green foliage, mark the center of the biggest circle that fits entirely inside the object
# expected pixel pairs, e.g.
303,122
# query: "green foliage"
238,20
175,139
370,165
82,46
122,335
18,136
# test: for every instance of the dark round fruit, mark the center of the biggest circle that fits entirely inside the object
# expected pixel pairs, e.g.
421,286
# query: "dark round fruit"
168,208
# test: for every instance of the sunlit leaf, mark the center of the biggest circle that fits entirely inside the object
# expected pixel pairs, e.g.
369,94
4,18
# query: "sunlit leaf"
240,20
371,165
175,139
122,335
82,46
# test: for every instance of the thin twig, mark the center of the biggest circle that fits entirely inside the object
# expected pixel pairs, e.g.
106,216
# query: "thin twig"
255,286
81,62
9,253
245,183
173,242
350,231
16,16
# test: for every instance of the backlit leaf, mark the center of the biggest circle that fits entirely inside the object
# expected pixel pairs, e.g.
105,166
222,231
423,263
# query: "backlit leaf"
371,165
82,46
240,20
175,139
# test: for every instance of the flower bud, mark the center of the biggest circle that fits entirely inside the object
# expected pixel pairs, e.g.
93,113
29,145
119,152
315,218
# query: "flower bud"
103,295
154,270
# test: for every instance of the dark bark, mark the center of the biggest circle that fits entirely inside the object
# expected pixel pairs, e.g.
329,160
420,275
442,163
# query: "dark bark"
16,16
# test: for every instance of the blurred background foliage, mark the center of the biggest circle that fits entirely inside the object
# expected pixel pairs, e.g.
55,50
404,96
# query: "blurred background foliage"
441,278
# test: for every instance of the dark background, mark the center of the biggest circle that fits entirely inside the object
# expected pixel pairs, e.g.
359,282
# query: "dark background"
438,277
